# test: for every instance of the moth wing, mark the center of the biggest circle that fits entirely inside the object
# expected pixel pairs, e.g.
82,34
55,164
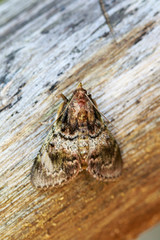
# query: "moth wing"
104,161
57,162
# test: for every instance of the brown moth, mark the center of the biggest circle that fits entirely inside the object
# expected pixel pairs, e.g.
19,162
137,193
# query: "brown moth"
79,139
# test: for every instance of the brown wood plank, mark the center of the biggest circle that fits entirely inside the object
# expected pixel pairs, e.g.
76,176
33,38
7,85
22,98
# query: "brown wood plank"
48,47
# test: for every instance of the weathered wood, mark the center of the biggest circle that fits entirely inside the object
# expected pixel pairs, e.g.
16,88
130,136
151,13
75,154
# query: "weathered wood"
47,47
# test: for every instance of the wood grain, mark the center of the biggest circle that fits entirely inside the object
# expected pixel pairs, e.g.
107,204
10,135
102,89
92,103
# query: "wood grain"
48,47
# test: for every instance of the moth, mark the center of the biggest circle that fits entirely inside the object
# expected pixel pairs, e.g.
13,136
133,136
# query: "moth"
78,140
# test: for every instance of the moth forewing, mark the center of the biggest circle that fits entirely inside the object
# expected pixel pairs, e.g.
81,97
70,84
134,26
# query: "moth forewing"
79,139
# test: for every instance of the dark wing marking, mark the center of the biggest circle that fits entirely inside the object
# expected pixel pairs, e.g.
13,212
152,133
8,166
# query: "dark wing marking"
104,160
57,162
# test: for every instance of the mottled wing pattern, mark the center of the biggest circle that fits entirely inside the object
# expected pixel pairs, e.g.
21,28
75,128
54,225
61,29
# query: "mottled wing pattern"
79,140
104,160
56,163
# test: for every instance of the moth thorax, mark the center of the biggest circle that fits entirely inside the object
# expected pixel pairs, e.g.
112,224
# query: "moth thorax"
82,118
83,145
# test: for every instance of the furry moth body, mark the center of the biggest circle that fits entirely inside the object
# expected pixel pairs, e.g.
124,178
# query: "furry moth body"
79,139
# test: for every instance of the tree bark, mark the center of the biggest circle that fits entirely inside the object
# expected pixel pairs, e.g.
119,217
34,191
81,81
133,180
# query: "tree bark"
47,48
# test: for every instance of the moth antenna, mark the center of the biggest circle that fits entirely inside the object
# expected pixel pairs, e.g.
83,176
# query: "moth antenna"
106,16
97,108
99,111
68,103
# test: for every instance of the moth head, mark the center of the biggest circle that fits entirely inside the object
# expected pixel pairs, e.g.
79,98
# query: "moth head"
80,92
81,89
79,95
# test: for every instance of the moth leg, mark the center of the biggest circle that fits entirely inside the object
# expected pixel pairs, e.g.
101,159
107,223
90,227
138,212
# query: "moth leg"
64,98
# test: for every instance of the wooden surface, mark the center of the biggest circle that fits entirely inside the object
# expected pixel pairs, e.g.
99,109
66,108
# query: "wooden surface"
46,48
